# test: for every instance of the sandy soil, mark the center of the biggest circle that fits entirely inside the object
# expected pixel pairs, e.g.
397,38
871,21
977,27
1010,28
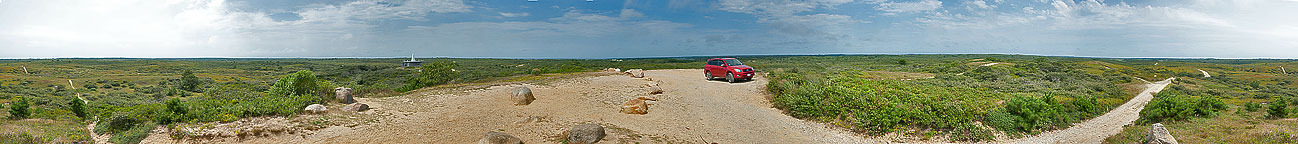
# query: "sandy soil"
691,110
1205,73
1104,126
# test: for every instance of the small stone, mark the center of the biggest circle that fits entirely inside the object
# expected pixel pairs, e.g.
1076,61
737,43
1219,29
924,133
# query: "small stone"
343,95
522,96
636,73
315,108
499,138
585,134
357,107
1159,135
635,106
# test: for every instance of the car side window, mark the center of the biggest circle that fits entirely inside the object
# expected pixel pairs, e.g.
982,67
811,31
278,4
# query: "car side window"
714,62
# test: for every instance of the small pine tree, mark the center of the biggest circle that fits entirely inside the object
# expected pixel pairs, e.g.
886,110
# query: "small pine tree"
1278,108
189,82
78,107
20,108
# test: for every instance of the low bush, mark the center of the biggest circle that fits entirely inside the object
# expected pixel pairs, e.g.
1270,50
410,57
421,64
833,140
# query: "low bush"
20,108
1277,109
1172,105
78,107
971,132
1252,107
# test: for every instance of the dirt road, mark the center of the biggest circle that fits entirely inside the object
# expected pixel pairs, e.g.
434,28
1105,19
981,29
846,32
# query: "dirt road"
1205,73
1104,126
691,110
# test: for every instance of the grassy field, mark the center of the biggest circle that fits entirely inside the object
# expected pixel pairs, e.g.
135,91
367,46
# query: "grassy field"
963,97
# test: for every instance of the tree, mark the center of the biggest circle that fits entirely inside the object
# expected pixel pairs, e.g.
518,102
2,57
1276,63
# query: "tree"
299,83
20,108
78,107
189,82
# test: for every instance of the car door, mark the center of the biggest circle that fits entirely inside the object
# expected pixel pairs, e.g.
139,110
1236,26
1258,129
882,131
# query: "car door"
713,67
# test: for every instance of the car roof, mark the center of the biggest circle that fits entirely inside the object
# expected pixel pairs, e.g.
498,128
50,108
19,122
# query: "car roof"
721,58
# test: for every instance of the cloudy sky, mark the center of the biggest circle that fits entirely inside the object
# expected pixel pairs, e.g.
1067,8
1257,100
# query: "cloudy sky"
644,28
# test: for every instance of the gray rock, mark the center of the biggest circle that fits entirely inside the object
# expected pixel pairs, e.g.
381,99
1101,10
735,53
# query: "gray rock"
357,107
315,108
499,138
1159,135
343,95
585,134
523,96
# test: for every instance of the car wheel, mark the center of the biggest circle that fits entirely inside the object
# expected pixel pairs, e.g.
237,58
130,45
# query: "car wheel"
708,75
730,77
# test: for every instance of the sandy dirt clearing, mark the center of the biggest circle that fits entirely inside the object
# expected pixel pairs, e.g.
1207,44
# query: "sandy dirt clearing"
1097,129
691,110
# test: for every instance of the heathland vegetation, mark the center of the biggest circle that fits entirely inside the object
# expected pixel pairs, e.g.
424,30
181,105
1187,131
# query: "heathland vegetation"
961,97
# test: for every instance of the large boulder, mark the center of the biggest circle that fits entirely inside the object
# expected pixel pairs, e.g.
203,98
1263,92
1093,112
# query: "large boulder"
315,108
356,107
499,138
523,96
1159,135
636,106
343,95
585,134
636,73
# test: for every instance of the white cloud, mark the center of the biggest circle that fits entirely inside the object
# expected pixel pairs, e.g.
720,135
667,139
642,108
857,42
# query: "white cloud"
1207,28
193,28
519,14
902,7
630,13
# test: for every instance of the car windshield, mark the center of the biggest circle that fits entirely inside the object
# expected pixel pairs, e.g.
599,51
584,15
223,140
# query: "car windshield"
733,62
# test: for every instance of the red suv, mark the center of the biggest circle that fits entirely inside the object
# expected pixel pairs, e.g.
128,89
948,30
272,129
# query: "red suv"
730,68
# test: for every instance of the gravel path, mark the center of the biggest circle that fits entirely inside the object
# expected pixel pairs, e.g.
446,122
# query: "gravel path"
1097,129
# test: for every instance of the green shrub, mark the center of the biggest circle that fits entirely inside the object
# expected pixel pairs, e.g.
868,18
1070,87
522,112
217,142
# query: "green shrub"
1277,109
1171,105
20,108
1209,105
21,138
435,73
78,107
971,132
189,82
299,83
1029,113
133,135
1252,107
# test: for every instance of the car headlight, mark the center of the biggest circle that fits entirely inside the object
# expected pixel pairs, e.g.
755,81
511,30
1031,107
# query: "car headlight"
737,70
